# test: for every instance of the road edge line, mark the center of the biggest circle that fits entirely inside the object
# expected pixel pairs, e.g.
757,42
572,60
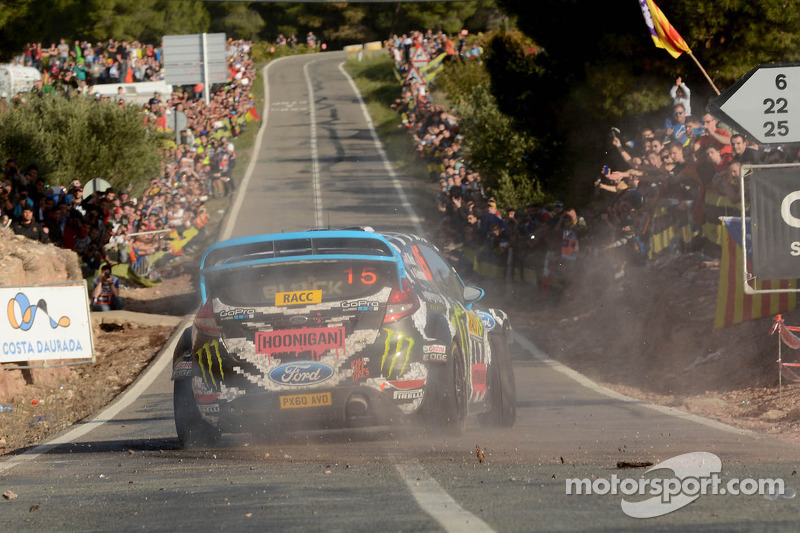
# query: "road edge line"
401,193
107,413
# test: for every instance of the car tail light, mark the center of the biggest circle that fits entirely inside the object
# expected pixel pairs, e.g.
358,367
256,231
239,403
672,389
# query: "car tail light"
402,302
205,321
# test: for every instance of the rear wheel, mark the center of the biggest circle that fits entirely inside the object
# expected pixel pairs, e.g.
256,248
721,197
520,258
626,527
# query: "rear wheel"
502,389
193,431
447,394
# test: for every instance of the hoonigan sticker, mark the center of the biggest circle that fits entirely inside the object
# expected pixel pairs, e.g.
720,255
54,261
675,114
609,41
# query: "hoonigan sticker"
297,341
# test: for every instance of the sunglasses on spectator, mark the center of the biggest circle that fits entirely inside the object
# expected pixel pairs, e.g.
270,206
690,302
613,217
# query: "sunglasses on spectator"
679,112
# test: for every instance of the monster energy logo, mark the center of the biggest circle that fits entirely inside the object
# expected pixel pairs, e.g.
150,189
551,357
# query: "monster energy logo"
205,352
395,342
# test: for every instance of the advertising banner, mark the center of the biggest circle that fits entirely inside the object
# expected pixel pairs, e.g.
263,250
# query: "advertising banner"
45,323
775,214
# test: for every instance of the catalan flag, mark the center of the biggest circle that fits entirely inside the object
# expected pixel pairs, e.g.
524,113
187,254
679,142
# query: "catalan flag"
663,34
733,305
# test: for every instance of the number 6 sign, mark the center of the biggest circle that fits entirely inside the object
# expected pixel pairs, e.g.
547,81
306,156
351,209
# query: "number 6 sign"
764,104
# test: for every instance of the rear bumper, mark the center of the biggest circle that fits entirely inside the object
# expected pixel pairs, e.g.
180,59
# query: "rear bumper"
338,407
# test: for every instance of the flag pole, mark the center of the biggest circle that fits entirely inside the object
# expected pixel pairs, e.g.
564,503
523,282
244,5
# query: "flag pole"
704,72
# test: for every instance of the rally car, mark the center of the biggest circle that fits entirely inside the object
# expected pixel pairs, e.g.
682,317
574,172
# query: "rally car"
337,328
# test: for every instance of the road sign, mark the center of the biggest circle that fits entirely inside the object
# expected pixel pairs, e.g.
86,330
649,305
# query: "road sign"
764,104
195,58
413,74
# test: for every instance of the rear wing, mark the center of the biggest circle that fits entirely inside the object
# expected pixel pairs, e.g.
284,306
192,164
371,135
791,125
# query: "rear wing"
248,252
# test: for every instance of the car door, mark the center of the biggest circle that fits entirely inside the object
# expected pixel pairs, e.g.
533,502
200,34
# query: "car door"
472,335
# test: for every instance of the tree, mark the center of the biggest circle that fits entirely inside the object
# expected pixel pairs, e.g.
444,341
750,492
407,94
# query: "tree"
236,20
80,138
598,67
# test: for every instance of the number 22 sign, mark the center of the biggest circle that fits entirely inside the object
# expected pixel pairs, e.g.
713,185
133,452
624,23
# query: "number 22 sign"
764,104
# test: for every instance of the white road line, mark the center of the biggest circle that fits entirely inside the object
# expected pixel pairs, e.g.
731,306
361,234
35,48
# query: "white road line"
589,384
433,499
415,220
312,112
153,371
430,496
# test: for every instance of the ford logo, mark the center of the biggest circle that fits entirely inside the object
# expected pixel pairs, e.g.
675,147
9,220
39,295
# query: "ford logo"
487,320
300,373
298,319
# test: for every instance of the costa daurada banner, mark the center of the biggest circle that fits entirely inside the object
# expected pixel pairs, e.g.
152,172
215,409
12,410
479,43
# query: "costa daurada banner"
48,322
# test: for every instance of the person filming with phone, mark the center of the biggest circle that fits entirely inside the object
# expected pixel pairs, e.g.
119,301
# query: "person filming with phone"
105,296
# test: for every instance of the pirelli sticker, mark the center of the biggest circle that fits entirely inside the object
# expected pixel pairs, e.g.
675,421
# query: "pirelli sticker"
299,401
298,298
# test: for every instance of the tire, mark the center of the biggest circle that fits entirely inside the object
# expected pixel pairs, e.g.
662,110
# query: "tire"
193,431
445,404
502,388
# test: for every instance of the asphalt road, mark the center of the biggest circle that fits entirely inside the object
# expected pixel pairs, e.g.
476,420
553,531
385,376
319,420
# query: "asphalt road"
317,165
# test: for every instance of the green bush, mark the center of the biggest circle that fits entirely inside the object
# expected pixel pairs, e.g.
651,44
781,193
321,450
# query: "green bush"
80,138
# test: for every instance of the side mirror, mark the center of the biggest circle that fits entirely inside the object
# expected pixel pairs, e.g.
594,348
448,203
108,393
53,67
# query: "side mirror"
472,294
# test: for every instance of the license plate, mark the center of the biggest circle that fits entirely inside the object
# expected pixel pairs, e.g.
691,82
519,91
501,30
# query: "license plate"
298,401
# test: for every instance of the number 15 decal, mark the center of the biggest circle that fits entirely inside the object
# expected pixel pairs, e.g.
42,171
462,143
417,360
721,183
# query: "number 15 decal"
368,276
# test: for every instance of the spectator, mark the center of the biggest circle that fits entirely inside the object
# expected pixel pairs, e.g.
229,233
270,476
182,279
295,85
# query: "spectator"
680,95
675,126
713,136
105,296
741,152
28,227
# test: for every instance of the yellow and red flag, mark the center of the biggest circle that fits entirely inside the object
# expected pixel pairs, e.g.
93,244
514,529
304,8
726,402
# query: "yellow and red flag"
663,34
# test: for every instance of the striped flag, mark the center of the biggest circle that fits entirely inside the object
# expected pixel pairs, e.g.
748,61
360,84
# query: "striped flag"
733,305
663,34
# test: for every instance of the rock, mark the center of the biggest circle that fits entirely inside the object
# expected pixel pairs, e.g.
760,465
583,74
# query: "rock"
9,495
793,415
773,415
706,403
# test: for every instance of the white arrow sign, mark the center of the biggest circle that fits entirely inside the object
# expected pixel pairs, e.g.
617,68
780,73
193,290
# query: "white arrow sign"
765,104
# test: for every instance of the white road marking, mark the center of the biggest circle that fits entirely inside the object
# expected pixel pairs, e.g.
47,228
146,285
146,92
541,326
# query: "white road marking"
153,371
589,384
414,218
430,496
433,499
312,112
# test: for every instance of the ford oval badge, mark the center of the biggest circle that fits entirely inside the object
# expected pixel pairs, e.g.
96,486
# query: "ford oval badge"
487,320
300,373
297,319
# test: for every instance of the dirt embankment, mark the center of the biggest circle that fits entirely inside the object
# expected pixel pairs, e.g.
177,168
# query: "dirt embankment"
650,335
43,401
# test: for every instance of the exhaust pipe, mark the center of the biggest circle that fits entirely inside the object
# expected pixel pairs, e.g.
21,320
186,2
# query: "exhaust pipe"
356,406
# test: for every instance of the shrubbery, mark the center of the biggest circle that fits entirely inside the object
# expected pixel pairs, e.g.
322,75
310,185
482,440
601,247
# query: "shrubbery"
80,138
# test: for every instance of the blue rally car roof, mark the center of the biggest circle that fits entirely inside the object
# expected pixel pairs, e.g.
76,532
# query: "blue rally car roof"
314,245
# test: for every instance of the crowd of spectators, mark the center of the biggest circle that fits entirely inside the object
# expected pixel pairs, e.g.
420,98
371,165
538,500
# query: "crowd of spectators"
537,244
678,173
81,64
111,225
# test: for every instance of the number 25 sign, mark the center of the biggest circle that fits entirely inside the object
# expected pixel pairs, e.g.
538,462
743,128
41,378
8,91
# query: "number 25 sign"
764,104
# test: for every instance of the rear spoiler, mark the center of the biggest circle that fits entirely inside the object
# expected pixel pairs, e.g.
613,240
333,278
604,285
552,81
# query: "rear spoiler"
258,250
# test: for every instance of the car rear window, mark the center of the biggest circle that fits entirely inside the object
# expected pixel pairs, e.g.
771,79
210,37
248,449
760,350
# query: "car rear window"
337,280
